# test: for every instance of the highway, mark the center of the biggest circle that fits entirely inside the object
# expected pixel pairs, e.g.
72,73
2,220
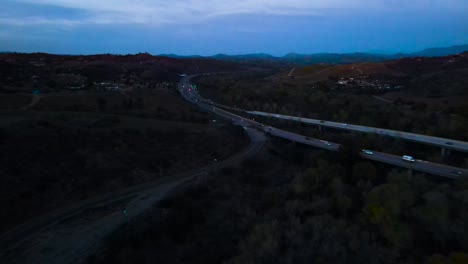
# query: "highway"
424,166
191,95
429,140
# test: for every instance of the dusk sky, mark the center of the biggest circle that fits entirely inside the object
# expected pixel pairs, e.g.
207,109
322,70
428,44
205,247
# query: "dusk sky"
208,27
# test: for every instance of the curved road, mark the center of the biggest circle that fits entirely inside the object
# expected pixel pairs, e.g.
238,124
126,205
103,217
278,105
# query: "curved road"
190,94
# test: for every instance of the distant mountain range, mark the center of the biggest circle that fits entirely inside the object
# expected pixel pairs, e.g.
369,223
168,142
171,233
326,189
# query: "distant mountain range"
440,52
295,59
328,58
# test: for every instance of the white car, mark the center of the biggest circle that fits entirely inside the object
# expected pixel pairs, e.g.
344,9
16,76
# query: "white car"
408,158
368,152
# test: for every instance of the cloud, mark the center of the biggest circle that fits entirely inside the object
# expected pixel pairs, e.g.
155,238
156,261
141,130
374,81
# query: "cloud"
37,21
163,12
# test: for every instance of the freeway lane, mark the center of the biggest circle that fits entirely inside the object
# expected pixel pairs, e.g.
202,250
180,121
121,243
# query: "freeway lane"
302,139
191,95
419,165
435,141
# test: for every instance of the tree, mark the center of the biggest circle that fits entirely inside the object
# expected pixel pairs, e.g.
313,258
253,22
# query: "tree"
342,203
364,171
261,245
384,206
317,179
434,216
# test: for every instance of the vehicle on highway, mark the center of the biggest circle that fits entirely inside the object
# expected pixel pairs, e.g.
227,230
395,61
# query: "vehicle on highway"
449,143
326,142
344,124
308,138
457,172
368,152
321,121
408,158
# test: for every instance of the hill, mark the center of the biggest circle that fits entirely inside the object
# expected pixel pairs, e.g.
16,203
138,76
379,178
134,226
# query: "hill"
406,67
439,52
25,72
295,59
438,81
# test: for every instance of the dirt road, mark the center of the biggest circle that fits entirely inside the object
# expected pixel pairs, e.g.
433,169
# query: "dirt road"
71,234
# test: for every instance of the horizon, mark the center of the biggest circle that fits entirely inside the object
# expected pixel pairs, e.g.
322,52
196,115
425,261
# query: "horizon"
204,28
377,53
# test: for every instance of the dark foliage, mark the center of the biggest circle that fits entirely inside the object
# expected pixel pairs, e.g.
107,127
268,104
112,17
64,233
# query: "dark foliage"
315,214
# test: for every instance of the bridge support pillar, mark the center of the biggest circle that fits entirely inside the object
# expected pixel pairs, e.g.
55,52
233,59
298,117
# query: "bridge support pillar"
444,152
320,128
